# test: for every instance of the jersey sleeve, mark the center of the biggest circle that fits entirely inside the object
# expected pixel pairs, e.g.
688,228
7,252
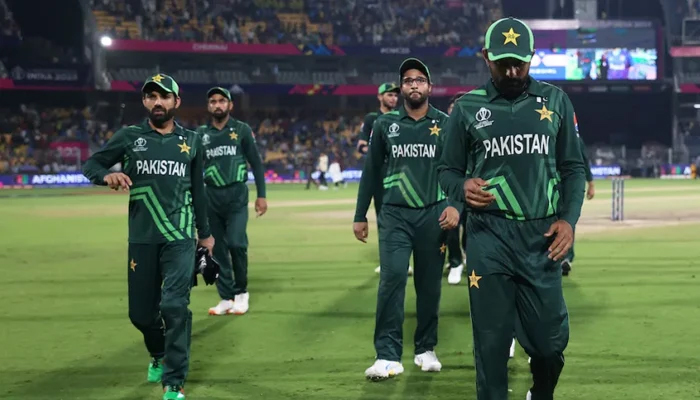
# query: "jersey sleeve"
97,166
570,165
252,155
586,161
199,199
371,172
366,128
452,168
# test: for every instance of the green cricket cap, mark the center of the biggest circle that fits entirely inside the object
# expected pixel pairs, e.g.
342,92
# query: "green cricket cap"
414,63
509,38
388,87
219,90
164,82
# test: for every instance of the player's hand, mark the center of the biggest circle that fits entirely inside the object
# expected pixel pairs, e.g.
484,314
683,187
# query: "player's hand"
475,195
449,219
591,191
208,243
362,146
260,206
361,230
117,180
563,239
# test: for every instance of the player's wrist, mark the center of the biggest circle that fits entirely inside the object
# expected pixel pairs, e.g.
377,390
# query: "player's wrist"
360,218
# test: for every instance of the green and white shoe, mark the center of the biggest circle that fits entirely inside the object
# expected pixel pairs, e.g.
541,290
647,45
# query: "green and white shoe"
174,392
155,370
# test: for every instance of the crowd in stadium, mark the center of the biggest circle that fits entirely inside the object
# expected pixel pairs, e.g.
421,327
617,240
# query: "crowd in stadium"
287,143
379,22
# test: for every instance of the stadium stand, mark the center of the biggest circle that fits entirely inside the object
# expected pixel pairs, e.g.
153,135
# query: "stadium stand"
27,134
9,28
375,22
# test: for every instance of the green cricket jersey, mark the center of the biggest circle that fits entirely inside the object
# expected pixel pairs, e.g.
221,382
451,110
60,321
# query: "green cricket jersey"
408,151
528,150
167,196
227,154
367,125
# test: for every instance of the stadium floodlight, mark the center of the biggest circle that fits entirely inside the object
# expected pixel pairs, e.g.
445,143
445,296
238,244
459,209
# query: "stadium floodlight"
696,106
106,41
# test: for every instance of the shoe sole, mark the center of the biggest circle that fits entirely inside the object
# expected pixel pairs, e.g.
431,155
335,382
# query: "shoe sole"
215,314
375,378
433,369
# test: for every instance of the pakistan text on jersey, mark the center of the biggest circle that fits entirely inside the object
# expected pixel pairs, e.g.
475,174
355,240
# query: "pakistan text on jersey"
222,151
529,143
414,150
161,167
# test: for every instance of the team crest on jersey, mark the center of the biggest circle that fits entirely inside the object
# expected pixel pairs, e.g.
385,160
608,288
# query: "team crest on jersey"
140,144
483,118
205,139
393,130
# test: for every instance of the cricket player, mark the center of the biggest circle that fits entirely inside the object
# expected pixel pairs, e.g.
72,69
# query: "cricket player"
455,262
520,135
229,145
413,218
567,263
388,97
163,171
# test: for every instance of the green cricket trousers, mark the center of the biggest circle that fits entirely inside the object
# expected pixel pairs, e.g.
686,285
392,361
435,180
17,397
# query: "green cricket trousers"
228,219
406,230
160,280
513,286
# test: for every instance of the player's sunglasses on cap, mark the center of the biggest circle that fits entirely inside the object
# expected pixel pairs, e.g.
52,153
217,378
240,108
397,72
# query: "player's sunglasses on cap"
414,63
162,82
219,90
509,38
388,87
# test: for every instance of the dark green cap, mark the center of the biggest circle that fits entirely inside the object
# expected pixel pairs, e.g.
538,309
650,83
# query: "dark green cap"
414,63
388,87
509,38
219,90
164,82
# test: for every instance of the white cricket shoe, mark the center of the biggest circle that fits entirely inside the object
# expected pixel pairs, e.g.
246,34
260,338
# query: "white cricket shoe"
455,275
428,362
378,269
529,360
223,308
529,396
410,270
383,369
512,349
240,303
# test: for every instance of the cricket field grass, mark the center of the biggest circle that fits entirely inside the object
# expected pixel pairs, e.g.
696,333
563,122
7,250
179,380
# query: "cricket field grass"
633,298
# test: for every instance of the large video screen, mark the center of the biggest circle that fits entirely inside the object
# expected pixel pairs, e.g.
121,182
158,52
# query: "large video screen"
594,64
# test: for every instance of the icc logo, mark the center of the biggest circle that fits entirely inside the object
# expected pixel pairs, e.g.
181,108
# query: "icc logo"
140,144
205,139
393,130
483,114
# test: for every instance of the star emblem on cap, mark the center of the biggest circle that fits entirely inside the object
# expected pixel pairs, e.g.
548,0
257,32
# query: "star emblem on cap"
511,37
157,78
184,148
545,113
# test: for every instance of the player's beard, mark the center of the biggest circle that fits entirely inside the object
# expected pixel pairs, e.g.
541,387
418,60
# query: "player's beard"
416,102
218,115
511,88
159,120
